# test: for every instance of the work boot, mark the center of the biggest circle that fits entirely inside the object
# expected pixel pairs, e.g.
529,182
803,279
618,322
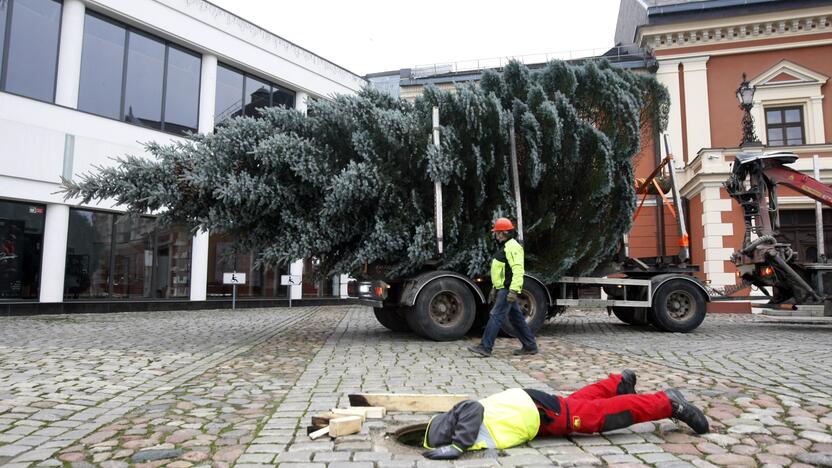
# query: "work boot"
627,385
686,412
478,349
524,351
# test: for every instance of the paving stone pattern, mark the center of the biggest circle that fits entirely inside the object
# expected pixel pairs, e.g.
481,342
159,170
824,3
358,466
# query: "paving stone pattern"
223,388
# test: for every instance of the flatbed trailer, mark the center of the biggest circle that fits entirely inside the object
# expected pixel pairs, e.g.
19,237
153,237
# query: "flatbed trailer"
445,305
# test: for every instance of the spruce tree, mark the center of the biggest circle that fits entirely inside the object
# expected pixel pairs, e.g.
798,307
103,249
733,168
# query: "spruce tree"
352,182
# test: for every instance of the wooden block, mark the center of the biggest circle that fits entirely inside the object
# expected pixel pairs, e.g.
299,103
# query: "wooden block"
408,402
322,419
321,433
366,412
345,426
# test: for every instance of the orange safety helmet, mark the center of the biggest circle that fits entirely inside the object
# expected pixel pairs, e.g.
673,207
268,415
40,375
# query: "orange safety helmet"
503,224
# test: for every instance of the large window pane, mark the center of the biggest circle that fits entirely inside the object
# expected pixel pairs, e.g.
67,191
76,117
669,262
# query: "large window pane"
102,67
229,102
88,254
775,136
256,95
283,97
260,282
4,9
21,243
773,116
182,91
33,48
133,257
145,71
173,262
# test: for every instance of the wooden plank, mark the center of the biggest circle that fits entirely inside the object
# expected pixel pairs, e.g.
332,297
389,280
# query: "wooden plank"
366,412
322,419
345,426
320,433
408,402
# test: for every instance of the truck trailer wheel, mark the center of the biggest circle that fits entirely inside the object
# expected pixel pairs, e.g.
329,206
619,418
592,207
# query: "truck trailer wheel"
444,311
678,306
630,316
392,318
534,306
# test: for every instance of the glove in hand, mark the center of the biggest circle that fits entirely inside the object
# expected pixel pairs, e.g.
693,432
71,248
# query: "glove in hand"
512,297
446,452
492,296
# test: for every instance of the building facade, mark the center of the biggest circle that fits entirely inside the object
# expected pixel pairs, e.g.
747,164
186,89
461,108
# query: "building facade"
83,81
702,50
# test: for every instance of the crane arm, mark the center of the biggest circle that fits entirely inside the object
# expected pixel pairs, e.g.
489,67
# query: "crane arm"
803,183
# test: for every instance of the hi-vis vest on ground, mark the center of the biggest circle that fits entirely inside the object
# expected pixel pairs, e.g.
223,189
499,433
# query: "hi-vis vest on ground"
510,418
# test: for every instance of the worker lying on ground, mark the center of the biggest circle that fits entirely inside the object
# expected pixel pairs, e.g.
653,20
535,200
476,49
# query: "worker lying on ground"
515,416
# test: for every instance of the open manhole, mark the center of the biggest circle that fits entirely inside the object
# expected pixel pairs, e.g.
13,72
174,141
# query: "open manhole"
412,435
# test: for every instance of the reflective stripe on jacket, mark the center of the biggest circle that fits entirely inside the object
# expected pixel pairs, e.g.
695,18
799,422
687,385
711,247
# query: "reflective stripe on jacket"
508,266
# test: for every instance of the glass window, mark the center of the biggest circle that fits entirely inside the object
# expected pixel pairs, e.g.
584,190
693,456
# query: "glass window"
32,56
260,282
182,91
133,257
283,97
173,262
102,67
792,115
119,256
21,244
229,101
257,95
88,249
143,86
784,126
4,8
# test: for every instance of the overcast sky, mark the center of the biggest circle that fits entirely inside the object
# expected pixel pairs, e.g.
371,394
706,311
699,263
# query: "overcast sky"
367,36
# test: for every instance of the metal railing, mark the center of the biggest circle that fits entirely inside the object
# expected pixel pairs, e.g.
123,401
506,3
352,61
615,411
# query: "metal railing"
610,53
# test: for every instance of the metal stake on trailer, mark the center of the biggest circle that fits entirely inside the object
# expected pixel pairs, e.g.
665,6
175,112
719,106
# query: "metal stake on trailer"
516,179
437,186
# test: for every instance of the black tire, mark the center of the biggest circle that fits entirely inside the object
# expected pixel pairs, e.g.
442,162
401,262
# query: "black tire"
629,316
392,318
678,306
535,306
444,311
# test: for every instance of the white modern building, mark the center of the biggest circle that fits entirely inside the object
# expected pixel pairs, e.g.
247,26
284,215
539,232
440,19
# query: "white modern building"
83,81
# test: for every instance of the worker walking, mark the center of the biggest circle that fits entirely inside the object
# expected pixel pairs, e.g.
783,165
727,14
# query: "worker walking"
516,416
507,270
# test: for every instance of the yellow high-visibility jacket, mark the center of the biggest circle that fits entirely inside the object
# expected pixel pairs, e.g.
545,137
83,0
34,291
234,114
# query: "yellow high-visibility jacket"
507,419
508,266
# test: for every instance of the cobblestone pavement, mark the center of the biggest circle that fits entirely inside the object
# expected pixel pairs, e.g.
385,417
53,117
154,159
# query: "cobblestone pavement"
223,388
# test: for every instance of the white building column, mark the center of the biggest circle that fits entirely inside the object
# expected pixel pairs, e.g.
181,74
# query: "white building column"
56,226
668,75
697,113
69,54
296,267
714,230
199,243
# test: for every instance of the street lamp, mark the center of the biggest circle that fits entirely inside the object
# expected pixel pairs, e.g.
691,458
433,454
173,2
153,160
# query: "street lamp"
745,94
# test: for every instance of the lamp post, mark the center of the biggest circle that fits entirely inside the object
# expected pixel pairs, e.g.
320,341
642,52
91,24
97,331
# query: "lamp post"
745,94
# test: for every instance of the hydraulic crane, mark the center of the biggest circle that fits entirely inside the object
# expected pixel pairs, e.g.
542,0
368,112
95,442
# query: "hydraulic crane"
763,260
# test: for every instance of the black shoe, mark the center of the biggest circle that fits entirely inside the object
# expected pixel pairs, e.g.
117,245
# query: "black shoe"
524,351
478,349
627,385
686,412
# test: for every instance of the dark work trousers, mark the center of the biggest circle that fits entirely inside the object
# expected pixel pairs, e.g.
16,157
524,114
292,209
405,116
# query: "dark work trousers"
515,317
598,408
